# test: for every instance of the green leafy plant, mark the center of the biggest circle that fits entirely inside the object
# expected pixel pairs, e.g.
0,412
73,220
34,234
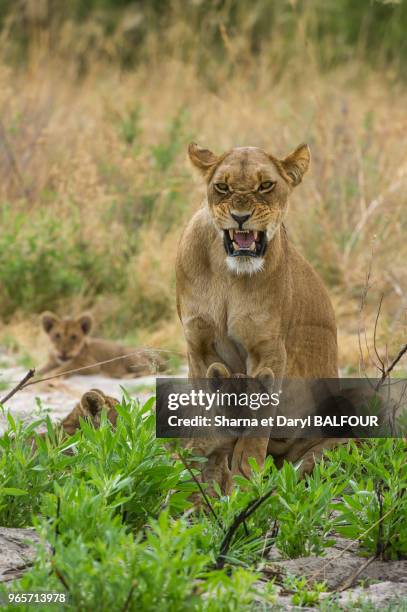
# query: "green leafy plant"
165,153
128,467
304,595
373,507
304,513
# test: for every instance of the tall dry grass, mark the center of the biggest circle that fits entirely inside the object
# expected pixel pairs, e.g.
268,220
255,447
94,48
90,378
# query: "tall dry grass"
95,185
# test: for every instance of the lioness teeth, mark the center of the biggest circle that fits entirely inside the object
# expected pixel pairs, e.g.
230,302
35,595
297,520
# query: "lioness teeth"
253,246
231,232
256,234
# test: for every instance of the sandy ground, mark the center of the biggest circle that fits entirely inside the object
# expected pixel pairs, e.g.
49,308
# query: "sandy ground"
59,396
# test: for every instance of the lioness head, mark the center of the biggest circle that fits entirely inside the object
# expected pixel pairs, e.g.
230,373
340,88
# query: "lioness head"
247,192
67,336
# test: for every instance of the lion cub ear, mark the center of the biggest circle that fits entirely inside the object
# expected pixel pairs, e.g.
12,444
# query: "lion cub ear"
297,164
218,370
203,159
86,322
48,320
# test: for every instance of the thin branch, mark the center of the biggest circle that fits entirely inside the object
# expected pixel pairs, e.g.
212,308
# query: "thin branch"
349,546
346,584
380,547
239,520
13,161
391,367
98,363
382,366
23,382
372,207
361,309
60,576
201,489
129,596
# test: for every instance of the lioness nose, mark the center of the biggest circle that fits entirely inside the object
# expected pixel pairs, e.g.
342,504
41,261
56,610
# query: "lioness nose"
240,219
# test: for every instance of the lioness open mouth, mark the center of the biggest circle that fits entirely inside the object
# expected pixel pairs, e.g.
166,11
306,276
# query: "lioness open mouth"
244,243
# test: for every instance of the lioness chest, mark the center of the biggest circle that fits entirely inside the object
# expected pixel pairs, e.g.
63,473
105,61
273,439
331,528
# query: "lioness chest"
280,317
225,317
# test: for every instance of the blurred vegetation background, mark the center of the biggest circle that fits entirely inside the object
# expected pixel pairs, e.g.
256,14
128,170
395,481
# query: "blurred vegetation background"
98,101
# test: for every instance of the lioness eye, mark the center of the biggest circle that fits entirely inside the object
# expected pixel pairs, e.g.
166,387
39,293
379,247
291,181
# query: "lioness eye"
266,186
73,337
222,187
57,336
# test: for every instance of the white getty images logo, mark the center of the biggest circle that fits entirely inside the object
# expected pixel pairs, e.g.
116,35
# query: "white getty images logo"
207,401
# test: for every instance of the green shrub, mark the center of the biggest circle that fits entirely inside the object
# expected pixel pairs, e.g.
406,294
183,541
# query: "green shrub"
49,260
129,468
377,487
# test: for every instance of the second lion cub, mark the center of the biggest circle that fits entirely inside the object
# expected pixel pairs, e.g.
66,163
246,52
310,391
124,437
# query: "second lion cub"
72,348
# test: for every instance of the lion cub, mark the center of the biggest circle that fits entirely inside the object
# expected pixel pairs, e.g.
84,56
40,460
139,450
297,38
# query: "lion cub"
91,406
222,453
72,348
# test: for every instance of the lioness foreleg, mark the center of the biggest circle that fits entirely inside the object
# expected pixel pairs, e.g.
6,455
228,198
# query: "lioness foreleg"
243,450
200,337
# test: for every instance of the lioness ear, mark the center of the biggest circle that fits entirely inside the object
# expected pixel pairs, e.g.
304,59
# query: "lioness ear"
217,370
48,320
203,159
266,377
297,163
86,323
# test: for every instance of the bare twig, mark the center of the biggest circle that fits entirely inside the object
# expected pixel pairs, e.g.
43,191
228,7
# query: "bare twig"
60,576
385,371
346,584
361,309
12,160
20,385
239,520
344,550
372,207
391,367
380,546
381,367
201,489
98,363
129,596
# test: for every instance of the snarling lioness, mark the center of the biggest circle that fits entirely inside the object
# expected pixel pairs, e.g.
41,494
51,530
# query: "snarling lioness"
245,296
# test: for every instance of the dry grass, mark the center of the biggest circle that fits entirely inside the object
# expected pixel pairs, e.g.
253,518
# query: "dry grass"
106,158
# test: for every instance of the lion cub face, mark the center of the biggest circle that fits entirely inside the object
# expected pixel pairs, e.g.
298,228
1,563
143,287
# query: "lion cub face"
67,336
247,192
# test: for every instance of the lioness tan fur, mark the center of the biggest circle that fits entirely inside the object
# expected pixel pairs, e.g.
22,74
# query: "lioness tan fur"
72,348
223,460
245,295
220,450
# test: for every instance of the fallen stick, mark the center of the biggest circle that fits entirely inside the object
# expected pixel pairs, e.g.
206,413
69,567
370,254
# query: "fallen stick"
346,584
19,386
